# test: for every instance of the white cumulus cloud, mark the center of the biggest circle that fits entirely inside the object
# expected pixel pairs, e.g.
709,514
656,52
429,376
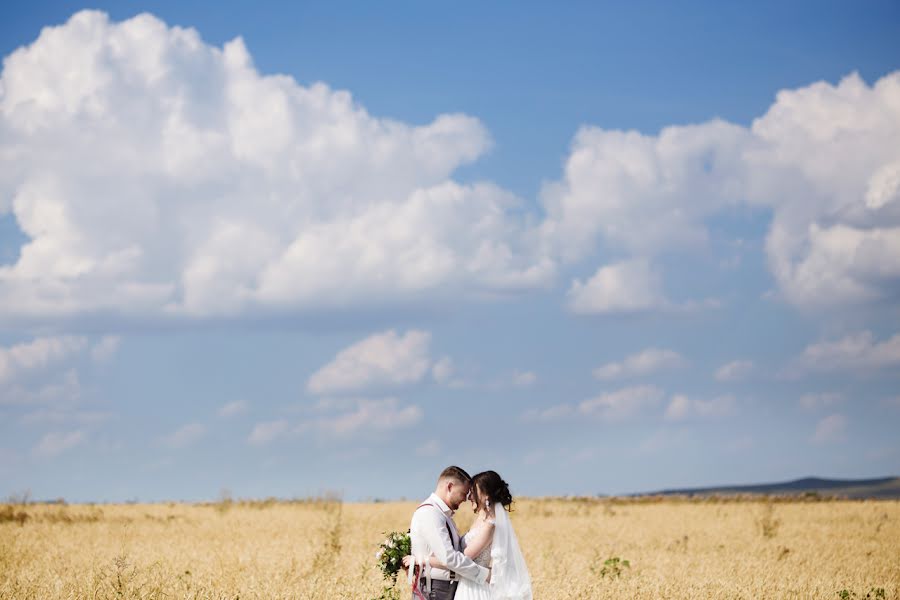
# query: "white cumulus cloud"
683,407
184,436
645,362
383,359
366,416
823,159
263,433
230,409
831,429
629,286
155,174
622,404
37,354
734,370
55,443
857,352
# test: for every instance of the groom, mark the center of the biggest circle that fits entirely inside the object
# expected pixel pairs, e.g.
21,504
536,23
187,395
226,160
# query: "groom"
433,531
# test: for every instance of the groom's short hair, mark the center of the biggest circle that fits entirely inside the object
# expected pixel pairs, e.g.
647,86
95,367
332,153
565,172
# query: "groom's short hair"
455,473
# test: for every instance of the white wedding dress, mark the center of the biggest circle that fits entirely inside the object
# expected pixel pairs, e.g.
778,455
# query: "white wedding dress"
509,577
471,590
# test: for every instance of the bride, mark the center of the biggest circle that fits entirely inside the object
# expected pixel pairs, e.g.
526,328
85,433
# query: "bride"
491,542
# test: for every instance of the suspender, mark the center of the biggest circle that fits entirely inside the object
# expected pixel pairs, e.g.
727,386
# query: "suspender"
449,531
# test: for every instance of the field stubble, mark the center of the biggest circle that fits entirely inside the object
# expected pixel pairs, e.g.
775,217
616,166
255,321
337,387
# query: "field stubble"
324,549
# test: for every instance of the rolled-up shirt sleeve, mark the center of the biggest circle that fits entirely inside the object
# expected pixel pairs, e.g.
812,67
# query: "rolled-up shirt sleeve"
438,539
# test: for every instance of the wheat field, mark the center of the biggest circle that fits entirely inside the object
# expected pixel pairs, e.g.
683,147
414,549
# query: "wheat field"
320,548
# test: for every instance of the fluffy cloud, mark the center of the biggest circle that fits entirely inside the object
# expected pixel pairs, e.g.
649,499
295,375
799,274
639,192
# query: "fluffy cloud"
524,378
37,354
155,174
383,359
551,413
263,433
230,409
184,436
824,160
45,370
106,348
365,416
646,362
858,352
622,404
734,370
682,407
629,286
53,444
831,429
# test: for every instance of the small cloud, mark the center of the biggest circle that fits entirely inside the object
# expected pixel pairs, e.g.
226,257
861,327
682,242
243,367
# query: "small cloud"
820,400
368,415
53,444
383,359
524,378
443,370
858,352
622,404
682,407
429,448
623,287
734,371
232,408
646,362
551,413
263,433
831,429
37,354
106,348
184,436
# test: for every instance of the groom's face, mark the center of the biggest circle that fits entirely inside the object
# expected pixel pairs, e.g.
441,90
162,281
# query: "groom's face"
458,493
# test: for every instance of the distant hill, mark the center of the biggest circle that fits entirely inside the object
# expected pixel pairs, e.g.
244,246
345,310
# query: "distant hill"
885,487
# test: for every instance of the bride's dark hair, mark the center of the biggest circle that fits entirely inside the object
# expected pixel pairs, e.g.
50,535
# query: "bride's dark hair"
492,488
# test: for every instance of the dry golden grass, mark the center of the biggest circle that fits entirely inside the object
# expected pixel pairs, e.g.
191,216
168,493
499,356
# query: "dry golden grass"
325,549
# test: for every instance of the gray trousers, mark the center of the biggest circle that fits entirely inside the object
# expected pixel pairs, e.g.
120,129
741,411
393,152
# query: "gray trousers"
440,590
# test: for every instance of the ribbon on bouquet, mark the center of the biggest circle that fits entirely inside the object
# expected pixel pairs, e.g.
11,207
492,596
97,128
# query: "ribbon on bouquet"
414,574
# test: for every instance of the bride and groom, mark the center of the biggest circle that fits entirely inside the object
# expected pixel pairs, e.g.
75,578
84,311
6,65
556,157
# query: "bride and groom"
484,564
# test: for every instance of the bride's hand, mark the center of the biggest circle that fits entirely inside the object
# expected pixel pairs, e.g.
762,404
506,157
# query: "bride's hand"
407,560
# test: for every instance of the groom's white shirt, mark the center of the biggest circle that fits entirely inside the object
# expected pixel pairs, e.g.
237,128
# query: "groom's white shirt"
429,534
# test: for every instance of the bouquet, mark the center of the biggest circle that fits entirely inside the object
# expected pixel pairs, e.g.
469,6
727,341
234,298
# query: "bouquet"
391,552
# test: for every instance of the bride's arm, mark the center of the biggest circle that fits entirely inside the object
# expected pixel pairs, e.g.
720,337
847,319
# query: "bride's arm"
481,538
475,543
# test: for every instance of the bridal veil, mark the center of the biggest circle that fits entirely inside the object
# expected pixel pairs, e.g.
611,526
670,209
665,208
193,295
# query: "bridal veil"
509,575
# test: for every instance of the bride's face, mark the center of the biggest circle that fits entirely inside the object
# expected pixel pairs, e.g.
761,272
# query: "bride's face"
474,495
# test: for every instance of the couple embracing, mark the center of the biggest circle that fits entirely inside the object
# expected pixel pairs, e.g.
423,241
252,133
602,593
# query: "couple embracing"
484,564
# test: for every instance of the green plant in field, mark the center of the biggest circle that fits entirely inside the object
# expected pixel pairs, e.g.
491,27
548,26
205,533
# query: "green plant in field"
389,593
613,567
873,594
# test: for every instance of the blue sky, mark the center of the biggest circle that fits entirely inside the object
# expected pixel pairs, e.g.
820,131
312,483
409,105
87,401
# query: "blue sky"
600,248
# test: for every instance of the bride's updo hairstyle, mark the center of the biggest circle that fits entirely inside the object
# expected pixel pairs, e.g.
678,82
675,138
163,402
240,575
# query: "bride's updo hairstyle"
488,485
